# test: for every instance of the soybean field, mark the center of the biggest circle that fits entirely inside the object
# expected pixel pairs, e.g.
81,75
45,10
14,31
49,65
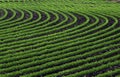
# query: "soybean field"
59,38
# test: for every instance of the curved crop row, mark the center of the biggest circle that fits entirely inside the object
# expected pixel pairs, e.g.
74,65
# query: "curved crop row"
57,43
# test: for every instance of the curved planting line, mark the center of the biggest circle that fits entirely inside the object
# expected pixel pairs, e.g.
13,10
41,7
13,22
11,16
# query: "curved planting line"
55,54
58,68
38,25
10,15
36,18
61,23
68,54
46,19
1,13
19,16
54,63
70,70
33,28
56,49
109,68
27,17
42,29
16,19
20,23
4,14
23,27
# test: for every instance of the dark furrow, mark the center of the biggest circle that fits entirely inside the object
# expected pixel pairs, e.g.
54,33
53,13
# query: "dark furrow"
59,64
26,16
105,70
35,16
50,25
2,12
106,26
32,44
52,17
18,15
92,20
10,14
74,66
80,20
61,18
44,17
30,37
118,24
113,54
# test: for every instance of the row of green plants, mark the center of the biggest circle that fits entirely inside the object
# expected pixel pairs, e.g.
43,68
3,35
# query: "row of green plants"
58,45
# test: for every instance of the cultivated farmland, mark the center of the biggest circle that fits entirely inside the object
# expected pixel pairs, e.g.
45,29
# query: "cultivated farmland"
59,38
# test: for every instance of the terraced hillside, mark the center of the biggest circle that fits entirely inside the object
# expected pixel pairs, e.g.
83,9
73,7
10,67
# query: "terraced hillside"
72,38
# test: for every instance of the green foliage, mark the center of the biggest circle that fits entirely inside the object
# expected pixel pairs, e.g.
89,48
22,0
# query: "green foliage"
63,38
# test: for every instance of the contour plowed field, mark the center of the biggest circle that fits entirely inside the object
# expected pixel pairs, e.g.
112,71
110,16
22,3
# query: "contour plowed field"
47,43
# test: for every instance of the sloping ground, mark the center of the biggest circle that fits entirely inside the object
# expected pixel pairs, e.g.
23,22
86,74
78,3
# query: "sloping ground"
74,40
